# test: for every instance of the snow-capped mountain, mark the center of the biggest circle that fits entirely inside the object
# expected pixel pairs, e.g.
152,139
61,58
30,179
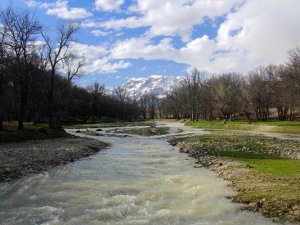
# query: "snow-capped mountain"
156,84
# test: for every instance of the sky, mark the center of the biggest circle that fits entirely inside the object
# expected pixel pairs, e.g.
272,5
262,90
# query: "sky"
122,39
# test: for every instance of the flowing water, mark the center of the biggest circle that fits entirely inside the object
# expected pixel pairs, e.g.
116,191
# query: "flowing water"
139,180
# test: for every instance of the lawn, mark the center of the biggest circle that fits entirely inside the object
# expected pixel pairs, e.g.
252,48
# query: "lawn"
30,132
265,164
264,172
289,127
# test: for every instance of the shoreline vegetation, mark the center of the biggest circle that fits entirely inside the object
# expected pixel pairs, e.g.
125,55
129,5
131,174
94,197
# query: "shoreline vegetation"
31,132
286,127
264,172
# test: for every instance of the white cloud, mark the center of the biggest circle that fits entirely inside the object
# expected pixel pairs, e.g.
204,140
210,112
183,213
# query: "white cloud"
104,65
261,32
169,18
108,5
97,59
60,9
98,33
142,48
258,33
117,24
89,52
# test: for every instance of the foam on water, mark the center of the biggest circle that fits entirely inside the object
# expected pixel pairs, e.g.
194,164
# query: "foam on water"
139,180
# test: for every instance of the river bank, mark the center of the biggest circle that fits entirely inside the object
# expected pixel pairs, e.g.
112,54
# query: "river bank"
140,180
264,172
19,159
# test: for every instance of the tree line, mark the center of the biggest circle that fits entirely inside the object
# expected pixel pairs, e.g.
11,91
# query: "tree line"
232,95
37,72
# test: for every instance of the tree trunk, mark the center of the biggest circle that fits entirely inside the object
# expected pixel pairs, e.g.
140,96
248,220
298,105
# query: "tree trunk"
248,117
23,107
1,120
50,115
50,101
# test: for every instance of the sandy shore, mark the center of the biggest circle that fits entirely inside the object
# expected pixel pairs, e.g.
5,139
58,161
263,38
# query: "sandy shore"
23,158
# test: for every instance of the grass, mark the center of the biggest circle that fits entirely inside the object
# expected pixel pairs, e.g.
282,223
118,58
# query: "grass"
265,164
12,126
262,179
30,132
289,127
254,151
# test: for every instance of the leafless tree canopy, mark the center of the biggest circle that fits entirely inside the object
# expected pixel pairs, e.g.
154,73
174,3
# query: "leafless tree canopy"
18,33
36,79
232,95
36,84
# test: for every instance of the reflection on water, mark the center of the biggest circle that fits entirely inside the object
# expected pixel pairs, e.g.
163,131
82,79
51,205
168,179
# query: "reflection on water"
139,180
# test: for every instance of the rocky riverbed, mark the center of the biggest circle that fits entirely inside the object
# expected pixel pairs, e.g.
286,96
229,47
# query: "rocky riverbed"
21,159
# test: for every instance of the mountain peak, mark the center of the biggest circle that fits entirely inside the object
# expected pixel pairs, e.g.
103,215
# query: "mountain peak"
154,84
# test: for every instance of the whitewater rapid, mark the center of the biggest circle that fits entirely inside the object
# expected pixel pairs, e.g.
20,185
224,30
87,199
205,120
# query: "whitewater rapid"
137,181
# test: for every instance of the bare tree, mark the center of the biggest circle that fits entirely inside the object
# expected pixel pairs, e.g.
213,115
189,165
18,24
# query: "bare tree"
57,53
72,66
121,93
192,84
21,27
96,90
173,103
152,105
294,64
2,71
260,92
207,100
143,106
228,93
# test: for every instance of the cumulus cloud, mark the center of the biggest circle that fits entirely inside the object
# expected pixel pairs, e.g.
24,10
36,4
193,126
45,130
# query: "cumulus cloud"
169,18
252,32
97,59
98,33
105,65
195,53
89,52
116,24
108,5
142,48
60,9
259,32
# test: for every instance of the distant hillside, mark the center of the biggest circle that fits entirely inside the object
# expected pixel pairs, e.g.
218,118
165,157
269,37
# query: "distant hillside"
155,84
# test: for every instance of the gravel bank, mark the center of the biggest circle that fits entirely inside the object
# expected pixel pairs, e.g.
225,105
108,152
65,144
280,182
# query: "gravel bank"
21,159
244,182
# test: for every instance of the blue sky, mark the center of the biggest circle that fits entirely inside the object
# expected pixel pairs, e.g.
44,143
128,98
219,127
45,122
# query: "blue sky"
122,39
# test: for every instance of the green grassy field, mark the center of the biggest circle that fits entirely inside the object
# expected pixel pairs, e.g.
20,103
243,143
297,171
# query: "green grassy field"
289,127
12,126
262,178
30,132
265,164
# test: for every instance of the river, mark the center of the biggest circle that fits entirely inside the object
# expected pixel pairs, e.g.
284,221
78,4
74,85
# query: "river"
138,180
